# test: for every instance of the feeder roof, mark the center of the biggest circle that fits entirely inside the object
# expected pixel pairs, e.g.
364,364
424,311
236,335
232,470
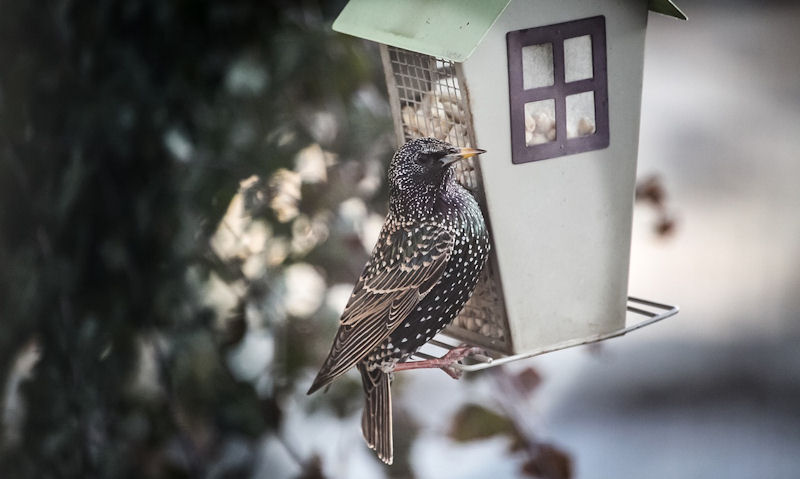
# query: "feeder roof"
448,29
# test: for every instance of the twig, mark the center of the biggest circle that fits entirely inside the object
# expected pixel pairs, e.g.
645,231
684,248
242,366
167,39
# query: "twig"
196,464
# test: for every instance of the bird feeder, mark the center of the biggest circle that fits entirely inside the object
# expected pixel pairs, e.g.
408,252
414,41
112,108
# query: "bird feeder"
552,90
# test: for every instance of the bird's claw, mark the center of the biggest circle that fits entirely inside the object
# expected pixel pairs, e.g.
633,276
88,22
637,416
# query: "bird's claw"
457,354
446,363
452,371
454,356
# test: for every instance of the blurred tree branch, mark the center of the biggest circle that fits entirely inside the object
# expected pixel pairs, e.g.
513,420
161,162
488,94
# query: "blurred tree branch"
125,129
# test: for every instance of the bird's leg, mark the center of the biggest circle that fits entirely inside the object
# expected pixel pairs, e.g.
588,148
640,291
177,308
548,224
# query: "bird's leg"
445,363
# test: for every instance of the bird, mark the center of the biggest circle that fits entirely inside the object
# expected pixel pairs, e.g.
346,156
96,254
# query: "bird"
429,255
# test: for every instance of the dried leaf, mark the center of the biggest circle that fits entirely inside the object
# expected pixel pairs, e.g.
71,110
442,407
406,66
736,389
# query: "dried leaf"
312,469
527,380
651,190
473,422
550,463
665,226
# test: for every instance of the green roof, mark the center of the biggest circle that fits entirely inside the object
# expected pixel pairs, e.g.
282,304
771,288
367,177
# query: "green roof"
448,29
666,7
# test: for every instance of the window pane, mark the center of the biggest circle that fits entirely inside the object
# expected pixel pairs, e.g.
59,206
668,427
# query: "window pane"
540,122
580,115
537,66
578,58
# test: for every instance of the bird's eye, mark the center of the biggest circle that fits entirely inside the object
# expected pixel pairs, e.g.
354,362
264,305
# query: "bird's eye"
426,158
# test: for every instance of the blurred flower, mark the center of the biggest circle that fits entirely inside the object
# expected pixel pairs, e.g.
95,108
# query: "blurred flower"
255,266
13,406
337,296
222,297
238,235
249,359
323,126
246,77
352,213
355,218
284,194
307,233
305,290
225,241
371,231
312,162
373,177
277,251
178,145
145,382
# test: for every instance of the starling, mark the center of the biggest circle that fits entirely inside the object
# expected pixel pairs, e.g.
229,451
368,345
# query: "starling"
423,269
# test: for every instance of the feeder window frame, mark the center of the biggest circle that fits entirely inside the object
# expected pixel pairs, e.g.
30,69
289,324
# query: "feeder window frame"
555,35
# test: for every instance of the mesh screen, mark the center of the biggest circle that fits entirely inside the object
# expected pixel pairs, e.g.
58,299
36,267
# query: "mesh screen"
431,104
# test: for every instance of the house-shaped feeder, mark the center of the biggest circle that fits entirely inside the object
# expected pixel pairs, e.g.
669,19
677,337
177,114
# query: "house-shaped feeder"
552,90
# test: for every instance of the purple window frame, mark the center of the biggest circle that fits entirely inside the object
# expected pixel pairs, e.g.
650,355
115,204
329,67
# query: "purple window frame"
559,90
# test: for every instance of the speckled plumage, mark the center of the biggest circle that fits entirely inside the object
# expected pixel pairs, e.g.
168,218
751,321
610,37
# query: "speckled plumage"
422,271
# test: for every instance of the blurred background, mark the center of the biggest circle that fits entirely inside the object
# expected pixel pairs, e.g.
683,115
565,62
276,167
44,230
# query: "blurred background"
189,189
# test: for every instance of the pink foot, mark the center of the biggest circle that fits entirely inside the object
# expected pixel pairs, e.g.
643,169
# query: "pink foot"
445,363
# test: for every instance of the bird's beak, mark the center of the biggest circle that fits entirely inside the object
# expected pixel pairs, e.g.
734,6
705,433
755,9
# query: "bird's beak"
460,154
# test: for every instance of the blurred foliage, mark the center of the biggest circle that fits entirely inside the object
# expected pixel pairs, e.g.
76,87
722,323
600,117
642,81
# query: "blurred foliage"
474,421
126,127
549,462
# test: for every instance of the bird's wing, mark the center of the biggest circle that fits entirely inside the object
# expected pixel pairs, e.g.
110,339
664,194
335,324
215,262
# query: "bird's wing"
407,262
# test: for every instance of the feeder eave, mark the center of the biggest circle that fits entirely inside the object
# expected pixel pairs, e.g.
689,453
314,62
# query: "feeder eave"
666,7
449,29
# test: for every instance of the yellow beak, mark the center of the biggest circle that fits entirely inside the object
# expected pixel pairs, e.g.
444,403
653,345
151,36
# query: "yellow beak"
460,154
469,152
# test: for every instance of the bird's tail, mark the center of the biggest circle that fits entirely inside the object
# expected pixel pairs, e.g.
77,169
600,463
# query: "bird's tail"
376,422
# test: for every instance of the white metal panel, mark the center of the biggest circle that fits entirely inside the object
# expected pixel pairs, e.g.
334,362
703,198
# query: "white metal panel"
561,226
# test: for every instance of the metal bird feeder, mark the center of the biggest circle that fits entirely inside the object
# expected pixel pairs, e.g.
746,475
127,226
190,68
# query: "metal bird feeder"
529,80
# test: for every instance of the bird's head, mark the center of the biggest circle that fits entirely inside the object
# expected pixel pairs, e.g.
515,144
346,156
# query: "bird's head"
421,167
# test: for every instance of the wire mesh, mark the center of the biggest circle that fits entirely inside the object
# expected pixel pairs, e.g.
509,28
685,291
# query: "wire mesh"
641,313
432,104
428,100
